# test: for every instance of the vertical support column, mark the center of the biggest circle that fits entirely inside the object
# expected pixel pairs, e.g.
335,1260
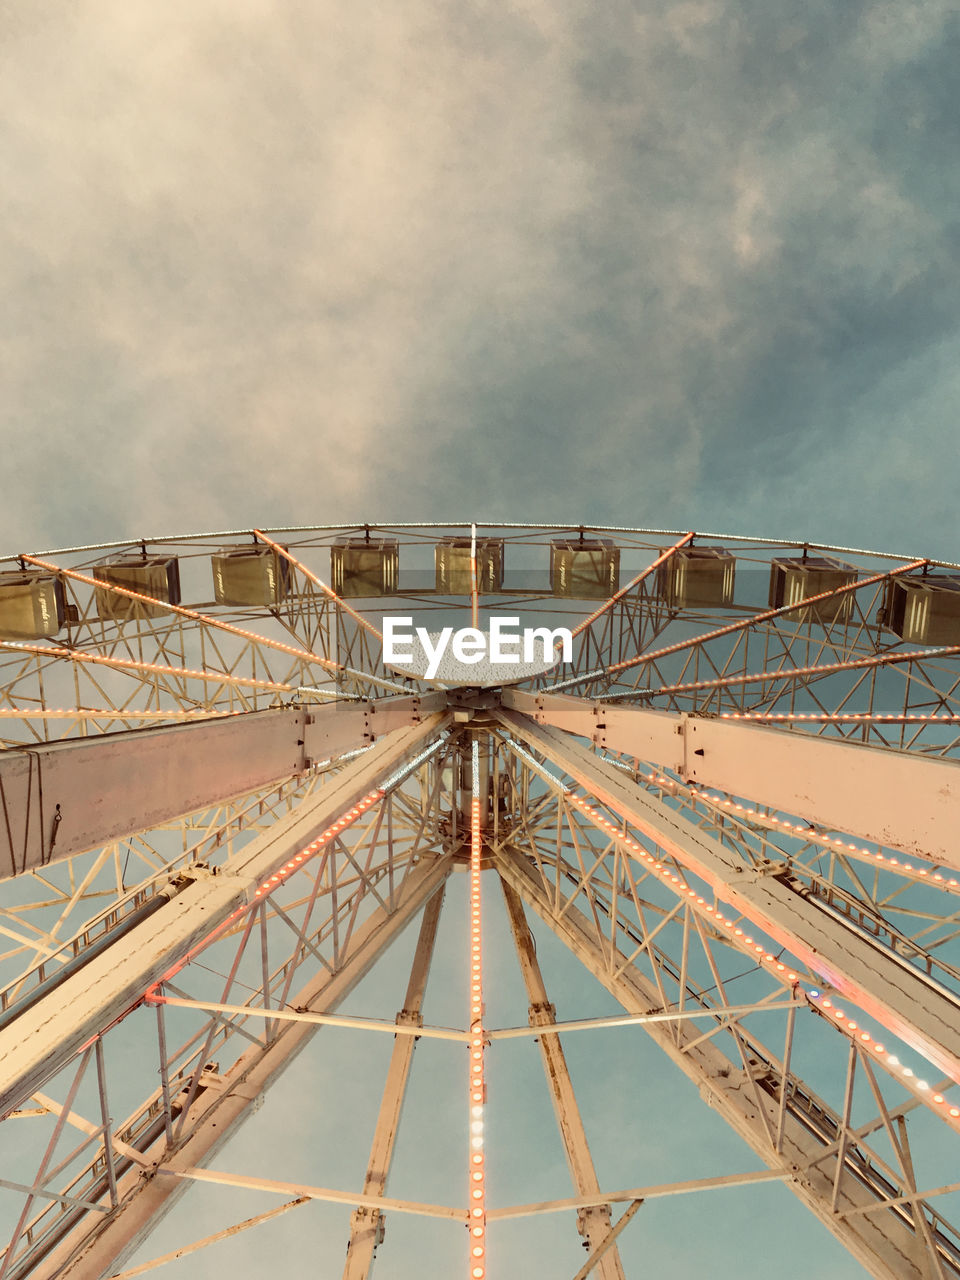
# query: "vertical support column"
106,1122
593,1223
477,1088
367,1225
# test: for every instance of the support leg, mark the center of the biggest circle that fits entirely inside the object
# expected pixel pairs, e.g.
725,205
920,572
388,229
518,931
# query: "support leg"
592,1223
367,1225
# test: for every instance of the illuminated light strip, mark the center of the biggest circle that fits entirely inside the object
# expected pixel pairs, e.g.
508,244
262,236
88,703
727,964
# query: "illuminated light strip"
476,1087
618,595
538,767
343,758
766,959
312,577
799,831
847,717
406,769
936,1102
792,673
763,955
273,882
757,951
346,819
335,693
87,713
304,654
157,881
132,664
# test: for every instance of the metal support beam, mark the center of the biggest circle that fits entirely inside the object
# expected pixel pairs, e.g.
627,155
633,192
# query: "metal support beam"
176,1254
637,1195
413,1030
881,1241
49,1031
96,1248
62,798
905,1001
904,800
593,1223
608,1243
367,1224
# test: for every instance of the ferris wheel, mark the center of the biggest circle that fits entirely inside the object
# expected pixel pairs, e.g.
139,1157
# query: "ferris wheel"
709,825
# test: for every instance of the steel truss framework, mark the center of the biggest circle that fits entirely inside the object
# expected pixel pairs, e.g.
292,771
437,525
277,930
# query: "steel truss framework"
215,820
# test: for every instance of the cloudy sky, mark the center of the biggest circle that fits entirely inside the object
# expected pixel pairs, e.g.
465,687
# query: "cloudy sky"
682,265
677,265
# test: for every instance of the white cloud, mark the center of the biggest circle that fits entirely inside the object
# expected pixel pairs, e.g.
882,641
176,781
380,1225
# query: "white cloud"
272,262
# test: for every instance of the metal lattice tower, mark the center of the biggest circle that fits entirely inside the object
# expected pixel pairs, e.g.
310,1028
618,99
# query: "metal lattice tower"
735,805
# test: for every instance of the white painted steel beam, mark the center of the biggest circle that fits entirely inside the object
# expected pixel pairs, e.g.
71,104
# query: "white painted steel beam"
925,1015
881,1242
95,1248
416,1031
250,1182
176,1254
637,1020
62,798
366,1222
48,1032
904,800
412,1031
662,1190
593,1221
